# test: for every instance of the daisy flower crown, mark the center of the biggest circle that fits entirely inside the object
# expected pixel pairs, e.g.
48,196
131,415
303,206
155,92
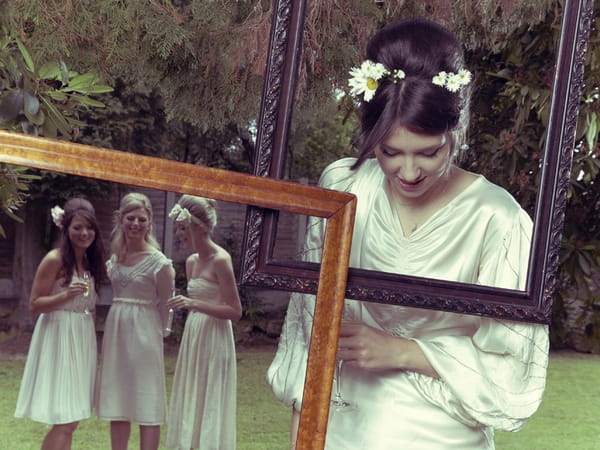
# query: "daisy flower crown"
366,79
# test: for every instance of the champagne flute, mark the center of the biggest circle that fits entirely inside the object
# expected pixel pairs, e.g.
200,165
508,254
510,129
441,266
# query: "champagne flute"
86,294
338,402
169,327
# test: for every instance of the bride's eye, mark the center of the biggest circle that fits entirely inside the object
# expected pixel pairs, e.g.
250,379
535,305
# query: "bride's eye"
434,153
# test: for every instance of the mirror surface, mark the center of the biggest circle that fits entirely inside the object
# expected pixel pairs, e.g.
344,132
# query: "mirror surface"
146,172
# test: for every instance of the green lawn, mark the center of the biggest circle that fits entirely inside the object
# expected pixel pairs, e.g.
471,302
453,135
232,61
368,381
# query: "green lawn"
567,419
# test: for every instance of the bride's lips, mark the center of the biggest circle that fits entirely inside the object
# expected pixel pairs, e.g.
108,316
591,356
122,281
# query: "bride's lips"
409,185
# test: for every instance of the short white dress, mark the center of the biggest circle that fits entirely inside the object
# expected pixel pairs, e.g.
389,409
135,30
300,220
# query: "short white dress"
131,381
58,380
202,411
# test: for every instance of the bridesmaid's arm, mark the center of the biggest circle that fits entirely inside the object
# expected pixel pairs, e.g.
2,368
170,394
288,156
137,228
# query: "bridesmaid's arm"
40,300
165,280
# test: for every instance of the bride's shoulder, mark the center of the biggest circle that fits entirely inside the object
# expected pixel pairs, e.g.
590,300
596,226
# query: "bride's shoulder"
486,191
338,175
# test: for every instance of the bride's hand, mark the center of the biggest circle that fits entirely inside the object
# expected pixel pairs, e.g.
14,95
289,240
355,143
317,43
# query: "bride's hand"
368,348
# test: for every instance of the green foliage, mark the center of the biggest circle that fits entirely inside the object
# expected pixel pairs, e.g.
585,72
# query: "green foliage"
508,133
40,99
205,58
136,121
319,139
14,184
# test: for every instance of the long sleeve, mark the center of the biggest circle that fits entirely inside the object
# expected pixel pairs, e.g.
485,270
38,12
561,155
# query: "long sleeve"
287,371
497,376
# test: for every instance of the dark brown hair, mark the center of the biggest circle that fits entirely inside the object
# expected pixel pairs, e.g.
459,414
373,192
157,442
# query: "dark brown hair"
94,254
422,49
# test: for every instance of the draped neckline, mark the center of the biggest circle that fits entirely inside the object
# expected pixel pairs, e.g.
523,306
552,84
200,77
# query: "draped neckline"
137,263
127,273
433,217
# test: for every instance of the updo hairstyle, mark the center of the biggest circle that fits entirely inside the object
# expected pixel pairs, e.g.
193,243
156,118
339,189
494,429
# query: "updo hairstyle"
422,49
204,210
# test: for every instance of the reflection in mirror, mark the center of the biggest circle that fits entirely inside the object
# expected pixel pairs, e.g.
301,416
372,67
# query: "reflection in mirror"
254,336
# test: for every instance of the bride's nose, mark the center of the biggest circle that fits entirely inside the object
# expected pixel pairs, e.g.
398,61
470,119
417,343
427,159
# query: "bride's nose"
408,170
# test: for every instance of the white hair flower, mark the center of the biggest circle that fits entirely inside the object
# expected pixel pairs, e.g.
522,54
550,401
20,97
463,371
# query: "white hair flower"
180,215
58,214
440,79
365,79
464,76
452,81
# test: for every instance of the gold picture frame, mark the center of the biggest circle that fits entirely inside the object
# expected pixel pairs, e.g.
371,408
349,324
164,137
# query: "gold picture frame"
146,171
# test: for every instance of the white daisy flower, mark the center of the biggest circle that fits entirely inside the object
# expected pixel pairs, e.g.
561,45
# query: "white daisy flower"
365,79
464,76
453,82
440,79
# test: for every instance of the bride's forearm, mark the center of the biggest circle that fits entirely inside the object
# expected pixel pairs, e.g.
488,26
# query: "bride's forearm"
411,357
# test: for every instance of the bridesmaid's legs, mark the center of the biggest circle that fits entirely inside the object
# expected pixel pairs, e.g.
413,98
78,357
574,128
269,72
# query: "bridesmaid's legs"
149,437
60,437
119,434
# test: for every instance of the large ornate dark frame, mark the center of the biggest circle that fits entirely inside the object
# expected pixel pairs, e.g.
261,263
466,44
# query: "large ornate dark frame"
261,268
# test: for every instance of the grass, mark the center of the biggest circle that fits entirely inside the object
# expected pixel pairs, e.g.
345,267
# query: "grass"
567,419
262,421
568,416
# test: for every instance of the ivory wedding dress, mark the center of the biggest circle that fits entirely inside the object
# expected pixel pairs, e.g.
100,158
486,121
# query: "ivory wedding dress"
491,372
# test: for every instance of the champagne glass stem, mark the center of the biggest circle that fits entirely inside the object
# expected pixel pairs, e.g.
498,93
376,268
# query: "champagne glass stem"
338,379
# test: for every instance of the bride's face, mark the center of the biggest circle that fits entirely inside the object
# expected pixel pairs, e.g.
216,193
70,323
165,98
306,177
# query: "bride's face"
414,164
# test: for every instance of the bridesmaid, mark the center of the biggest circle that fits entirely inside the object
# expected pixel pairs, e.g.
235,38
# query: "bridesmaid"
202,411
132,376
58,380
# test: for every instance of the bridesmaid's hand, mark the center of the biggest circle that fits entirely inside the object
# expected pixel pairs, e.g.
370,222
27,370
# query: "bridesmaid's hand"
180,302
75,288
